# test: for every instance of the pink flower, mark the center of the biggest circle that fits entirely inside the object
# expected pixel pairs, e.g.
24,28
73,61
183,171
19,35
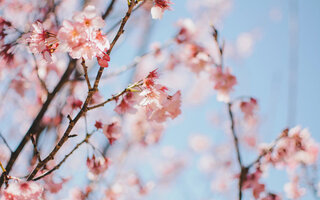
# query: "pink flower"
89,18
170,108
20,85
248,107
76,194
224,82
159,7
252,182
187,30
292,189
197,58
295,148
42,41
98,125
97,167
72,104
112,132
158,104
104,60
127,104
82,37
23,191
52,186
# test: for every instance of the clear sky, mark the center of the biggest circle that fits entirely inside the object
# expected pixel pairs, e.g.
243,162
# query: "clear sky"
263,74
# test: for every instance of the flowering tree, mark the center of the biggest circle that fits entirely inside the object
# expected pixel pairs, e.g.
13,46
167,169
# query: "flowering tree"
71,130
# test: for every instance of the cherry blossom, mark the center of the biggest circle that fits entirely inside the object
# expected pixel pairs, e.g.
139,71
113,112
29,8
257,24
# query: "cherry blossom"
248,107
82,37
72,104
104,60
159,7
224,82
42,41
127,104
97,166
53,186
292,189
112,131
295,148
23,191
159,105
197,58
187,30
55,110
89,18
98,125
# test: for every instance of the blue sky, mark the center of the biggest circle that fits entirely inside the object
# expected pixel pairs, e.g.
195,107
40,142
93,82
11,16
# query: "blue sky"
263,75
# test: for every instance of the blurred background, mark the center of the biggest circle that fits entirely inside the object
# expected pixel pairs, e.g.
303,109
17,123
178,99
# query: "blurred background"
272,48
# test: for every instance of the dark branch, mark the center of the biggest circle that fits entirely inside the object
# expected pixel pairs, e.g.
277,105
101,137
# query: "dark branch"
84,108
243,170
5,142
108,10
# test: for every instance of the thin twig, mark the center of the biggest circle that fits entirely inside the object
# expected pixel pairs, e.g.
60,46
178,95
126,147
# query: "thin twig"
37,120
5,142
34,128
270,149
37,153
108,10
64,159
42,82
85,69
4,172
119,22
243,170
114,97
96,149
84,108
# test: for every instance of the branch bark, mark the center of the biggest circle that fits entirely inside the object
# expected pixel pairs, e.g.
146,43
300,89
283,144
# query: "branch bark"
33,130
84,108
64,159
243,170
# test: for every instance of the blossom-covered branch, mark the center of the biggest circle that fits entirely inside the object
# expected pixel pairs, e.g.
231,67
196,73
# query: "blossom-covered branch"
85,105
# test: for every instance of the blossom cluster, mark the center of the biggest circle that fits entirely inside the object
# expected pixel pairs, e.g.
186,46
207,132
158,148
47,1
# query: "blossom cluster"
293,149
154,99
23,191
159,7
81,37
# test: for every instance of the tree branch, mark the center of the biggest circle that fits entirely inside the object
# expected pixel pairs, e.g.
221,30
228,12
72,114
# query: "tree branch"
85,69
36,152
114,97
84,108
64,159
5,142
109,9
42,82
265,152
243,170
50,97
35,125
